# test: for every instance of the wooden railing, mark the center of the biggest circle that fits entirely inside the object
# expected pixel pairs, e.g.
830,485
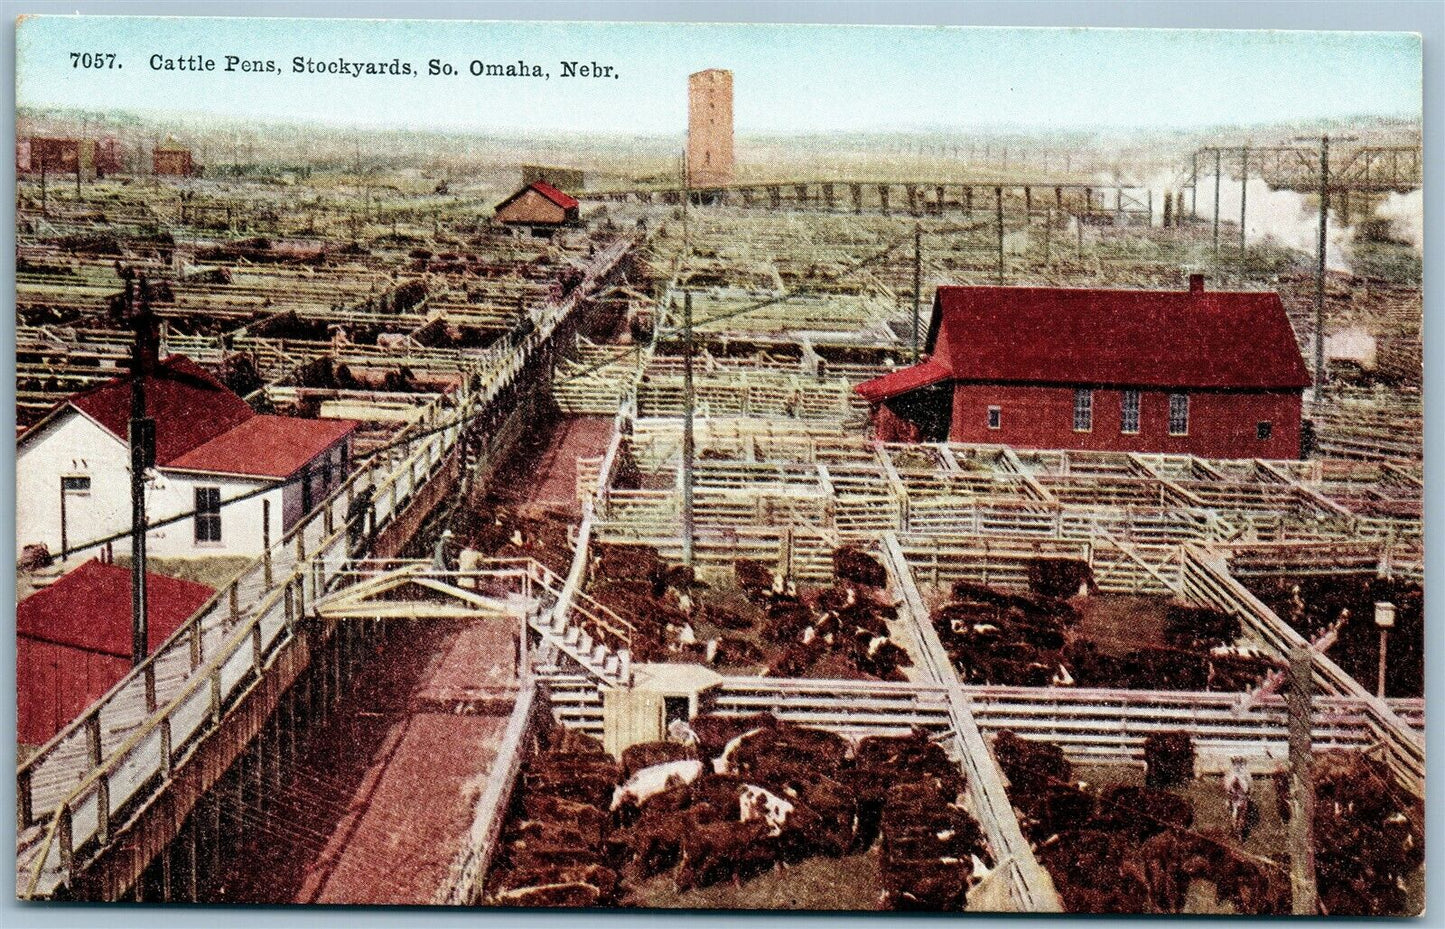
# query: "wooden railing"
107,762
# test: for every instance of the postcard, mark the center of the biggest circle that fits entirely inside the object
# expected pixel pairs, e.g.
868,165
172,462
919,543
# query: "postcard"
510,464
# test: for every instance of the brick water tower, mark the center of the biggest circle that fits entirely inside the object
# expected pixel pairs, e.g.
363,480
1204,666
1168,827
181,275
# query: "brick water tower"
710,128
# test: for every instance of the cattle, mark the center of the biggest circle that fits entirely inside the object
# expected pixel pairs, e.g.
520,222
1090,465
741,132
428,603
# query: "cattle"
855,565
759,804
718,851
1060,578
1168,759
715,732
649,781
1237,785
647,754
754,578
725,619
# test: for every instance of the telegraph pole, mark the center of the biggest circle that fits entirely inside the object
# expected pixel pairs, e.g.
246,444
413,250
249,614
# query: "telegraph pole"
998,222
917,282
1243,193
687,436
1320,269
1302,794
142,456
1217,172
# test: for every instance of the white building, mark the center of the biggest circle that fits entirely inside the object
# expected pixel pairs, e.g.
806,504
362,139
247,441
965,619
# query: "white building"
73,467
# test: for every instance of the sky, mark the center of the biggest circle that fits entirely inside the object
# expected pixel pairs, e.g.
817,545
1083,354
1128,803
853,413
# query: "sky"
786,78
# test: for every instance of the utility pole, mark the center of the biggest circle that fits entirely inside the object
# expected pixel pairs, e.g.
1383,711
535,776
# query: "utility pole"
1194,186
686,196
1302,794
917,282
1243,193
687,436
1320,270
44,168
998,222
142,457
1217,173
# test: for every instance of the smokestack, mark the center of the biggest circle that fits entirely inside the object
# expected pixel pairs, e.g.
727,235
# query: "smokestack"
1196,283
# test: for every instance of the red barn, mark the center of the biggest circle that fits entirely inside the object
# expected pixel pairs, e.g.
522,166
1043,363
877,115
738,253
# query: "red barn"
1213,374
73,640
539,205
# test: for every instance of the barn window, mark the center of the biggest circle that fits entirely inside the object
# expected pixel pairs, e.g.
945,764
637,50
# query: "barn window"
1083,410
995,417
208,514
1264,429
1178,414
75,485
1129,412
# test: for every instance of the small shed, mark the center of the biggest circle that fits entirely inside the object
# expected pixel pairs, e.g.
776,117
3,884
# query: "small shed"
539,205
73,640
659,694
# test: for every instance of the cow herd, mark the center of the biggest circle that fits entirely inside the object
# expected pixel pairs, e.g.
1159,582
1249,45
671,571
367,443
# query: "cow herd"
726,799
774,628
1125,848
1314,603
1032,639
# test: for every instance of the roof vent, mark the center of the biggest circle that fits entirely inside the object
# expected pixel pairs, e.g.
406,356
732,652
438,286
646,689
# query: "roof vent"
1196,283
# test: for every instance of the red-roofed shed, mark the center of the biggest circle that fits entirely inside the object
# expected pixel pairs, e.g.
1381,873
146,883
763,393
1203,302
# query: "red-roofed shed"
73,640
266,446
538,204
1209,373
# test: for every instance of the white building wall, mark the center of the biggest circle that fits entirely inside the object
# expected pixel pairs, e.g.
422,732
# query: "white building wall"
73,445
70,445
174,492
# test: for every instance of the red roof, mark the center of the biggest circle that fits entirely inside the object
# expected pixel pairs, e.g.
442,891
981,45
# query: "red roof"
902,381
190,407
89,609
266,446
553,194
1145,338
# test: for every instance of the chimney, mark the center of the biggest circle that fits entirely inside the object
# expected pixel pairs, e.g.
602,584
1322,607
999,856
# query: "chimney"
1196,283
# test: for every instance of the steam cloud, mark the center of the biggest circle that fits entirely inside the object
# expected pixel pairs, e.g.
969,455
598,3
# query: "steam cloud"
1406,213
1285,217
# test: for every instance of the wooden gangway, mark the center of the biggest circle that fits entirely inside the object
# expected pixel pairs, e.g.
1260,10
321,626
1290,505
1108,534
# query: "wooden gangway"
228,664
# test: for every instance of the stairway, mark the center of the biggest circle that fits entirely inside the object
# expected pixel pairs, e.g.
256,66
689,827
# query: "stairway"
567,633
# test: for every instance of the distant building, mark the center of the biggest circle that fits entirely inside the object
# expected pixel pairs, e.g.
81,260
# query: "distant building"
73,640
172,161
560,178
539,206
94,157
56,156
1213,374
710,128
73,467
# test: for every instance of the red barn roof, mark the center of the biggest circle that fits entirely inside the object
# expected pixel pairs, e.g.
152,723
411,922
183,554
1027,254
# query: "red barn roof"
903,380
89,609
266,446
546,190
190,407
556,196
1192,339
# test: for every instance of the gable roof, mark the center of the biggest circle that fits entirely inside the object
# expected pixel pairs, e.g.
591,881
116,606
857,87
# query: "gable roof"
265,446
546,190
89,609
1146,338
190,407
1193,339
